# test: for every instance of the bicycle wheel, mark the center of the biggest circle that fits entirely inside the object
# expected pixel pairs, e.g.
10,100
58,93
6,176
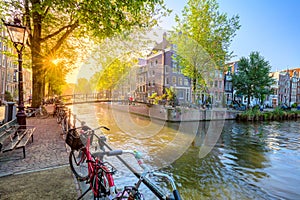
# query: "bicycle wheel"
38,114
100,184
78,164
45,114
58,118
64,125
41,114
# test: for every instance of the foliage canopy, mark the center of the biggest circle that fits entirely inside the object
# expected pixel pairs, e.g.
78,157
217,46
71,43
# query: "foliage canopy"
202,38
253,78
64,30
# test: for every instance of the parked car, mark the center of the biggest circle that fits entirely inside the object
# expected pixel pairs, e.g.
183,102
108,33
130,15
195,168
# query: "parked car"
285,107
239,107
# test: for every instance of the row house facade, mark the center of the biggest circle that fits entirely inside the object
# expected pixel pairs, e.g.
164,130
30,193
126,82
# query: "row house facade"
289,87
160,71
284,88
9,71
216,88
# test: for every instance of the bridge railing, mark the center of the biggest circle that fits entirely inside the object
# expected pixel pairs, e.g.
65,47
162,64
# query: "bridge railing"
83,98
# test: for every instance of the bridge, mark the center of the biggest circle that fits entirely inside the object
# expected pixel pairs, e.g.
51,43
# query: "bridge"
167,113
89,98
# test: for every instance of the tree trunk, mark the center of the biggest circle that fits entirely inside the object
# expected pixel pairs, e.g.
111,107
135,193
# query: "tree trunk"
194,81
36,58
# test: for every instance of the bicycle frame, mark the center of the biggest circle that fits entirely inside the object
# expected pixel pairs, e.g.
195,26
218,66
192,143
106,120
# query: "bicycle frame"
30,112
96,167
134,190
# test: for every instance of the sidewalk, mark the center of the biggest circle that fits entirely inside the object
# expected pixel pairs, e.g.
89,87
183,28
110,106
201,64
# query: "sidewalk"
45,172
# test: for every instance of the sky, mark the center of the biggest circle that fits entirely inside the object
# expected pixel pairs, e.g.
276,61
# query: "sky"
271,27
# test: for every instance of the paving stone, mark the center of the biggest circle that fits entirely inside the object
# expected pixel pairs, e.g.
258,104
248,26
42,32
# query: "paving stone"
47,150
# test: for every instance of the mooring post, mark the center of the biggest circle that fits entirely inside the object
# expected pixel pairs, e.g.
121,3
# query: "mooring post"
69,117
74,121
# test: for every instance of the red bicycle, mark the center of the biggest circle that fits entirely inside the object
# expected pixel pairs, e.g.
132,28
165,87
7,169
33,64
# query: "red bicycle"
89,167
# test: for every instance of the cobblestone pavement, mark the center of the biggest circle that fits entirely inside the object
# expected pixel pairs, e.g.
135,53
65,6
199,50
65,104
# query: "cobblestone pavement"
47,151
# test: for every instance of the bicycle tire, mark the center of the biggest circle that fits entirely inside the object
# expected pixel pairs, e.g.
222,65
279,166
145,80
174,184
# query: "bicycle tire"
58,119
38,114
101,189
64,126
45,113
78,165
42,114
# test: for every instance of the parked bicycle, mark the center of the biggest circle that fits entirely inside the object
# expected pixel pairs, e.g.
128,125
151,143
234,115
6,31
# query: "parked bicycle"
40,112
87,167
59,112
99,174
62,117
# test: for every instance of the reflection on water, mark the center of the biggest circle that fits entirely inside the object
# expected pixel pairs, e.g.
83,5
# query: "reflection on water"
248,161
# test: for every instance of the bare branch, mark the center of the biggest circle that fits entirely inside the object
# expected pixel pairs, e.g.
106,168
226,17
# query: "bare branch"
65,35
59,31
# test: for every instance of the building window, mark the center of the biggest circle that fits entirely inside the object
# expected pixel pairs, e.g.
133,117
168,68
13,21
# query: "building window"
167,80
153,82
156,62
180,81
153,73
178,69
174,81
216,84
167,69
186,82
180,94
228,86
187,95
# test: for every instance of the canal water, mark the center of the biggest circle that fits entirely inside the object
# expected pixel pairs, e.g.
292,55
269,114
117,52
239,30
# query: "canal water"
208,160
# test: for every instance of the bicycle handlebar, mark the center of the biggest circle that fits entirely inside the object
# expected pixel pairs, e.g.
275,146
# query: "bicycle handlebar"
138,156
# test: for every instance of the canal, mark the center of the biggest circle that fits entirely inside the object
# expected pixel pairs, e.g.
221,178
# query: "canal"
208,160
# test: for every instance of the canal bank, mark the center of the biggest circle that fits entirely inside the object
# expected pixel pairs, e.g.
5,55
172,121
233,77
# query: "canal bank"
178,113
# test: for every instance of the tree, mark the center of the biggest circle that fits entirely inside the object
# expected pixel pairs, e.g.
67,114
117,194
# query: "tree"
58,27
83,86
202,39
111,75
253,78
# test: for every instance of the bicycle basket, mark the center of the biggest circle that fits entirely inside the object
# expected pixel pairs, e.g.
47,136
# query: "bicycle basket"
73,139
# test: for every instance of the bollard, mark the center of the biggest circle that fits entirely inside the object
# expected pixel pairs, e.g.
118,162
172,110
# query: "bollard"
74,121
10,111
69,117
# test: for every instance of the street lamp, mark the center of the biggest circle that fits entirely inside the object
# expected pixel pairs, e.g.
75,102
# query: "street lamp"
18,35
